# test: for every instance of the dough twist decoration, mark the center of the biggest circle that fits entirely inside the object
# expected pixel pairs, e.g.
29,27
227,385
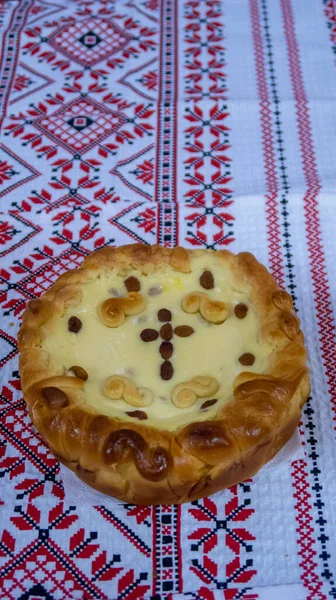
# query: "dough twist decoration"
152,463
113,311
214,311
119,387
185,394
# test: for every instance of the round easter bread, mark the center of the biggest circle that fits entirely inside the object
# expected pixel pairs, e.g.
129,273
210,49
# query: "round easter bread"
163,375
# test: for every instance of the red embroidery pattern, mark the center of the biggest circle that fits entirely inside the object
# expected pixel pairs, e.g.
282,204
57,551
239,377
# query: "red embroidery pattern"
208,163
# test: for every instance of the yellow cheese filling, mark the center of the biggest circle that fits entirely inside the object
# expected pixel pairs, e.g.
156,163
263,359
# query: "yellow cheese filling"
212,350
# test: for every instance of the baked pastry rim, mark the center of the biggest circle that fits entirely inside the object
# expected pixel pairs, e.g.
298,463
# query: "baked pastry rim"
139,463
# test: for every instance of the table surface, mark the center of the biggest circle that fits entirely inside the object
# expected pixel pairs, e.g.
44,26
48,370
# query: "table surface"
208,123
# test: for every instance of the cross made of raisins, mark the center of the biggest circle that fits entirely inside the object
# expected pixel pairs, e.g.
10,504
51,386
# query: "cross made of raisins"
166,334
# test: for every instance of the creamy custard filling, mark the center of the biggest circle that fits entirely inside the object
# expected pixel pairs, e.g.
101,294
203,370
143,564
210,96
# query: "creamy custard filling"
212,350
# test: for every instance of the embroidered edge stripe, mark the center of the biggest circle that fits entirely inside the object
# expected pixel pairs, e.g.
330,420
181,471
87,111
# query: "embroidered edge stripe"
10,51
165,183
324,315
304,518
166,550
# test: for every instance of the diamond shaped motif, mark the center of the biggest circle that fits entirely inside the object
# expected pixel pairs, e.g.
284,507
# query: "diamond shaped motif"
80,125
81,122
90,41
50,576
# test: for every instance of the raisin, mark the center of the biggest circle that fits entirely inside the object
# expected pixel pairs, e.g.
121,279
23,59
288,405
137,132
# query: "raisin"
184,330
79,372
166,332
166,350
74,324
138,414
241,311
207,280
149,335
132,284
208,403
164,315
247,359
166,370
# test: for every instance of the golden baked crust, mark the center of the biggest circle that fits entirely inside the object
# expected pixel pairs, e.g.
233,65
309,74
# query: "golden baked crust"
217,446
